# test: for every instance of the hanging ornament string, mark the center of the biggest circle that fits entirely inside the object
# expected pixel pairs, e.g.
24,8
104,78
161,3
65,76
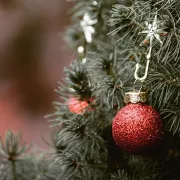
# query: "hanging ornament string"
152,32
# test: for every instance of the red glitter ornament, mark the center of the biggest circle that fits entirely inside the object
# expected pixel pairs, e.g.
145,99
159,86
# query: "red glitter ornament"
77,106
137,127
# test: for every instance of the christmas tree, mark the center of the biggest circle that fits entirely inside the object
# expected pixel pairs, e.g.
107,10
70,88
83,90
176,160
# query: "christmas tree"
119,113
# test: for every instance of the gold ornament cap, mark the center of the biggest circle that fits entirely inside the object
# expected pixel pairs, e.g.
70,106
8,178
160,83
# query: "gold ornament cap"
135,97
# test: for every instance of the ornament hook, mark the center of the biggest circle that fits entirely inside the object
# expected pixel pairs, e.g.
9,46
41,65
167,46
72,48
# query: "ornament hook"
138,66
152,32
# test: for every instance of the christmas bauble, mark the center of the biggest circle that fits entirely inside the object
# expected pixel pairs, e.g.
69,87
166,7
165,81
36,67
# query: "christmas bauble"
77,106
137,127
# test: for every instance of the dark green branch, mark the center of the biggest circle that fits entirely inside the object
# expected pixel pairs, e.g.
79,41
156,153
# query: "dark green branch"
14,169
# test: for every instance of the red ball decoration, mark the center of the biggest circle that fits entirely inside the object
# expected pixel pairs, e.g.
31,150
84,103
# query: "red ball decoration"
77,106
137,127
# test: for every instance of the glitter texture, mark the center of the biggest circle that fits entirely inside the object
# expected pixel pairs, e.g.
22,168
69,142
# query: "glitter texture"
76,106
137,127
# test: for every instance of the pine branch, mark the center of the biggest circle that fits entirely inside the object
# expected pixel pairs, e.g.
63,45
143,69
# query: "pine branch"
172,115
164,82
78,82
108,77
14,161
121,175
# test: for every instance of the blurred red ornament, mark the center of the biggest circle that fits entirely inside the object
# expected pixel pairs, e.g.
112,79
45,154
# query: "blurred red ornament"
137,127
77,106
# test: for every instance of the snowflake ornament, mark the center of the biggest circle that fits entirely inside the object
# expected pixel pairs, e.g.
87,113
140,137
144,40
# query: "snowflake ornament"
153,32
87,27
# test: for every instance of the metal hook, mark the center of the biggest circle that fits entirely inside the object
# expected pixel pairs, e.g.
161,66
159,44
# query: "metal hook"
138,66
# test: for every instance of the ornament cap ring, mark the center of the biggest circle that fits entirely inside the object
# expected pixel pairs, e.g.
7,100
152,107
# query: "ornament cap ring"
135,97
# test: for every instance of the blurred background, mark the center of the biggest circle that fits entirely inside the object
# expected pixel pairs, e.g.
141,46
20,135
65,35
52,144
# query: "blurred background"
32,58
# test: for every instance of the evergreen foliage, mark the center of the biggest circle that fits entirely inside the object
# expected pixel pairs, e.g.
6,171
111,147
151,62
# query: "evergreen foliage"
100,75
